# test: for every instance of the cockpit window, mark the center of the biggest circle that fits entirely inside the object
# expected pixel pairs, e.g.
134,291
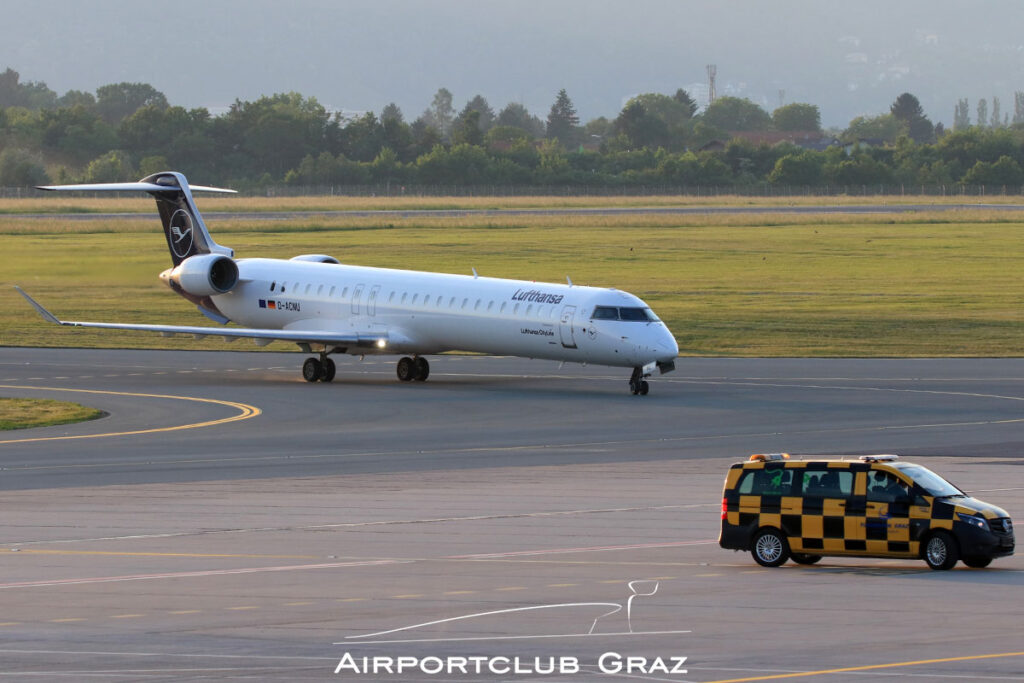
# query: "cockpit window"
634,314
628,314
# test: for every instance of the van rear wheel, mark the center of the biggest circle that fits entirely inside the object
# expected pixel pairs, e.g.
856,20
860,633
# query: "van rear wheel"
941,551
770,548
804,558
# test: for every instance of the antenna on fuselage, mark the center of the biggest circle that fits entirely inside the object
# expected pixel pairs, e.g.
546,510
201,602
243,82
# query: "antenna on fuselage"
475,276
569,280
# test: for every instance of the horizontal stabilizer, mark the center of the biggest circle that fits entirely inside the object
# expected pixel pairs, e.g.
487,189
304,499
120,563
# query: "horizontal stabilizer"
129,187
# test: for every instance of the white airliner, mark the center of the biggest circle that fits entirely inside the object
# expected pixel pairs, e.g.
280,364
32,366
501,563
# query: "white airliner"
328,308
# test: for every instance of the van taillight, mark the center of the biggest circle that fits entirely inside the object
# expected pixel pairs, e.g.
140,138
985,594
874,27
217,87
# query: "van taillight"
725,508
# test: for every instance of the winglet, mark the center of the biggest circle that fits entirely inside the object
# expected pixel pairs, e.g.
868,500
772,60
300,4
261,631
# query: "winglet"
49,317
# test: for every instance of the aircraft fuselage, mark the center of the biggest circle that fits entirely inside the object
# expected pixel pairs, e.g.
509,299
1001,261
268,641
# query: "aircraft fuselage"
427,313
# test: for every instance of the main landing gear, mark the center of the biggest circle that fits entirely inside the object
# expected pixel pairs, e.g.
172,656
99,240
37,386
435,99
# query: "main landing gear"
322,369
413,369
637,384
318,369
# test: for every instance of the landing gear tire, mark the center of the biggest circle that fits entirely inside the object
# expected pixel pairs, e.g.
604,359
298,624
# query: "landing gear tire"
941,551
312,370
421,369
637,384
770,548
406,369
327,373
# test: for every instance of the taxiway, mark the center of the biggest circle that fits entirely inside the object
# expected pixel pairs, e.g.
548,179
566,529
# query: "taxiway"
228,521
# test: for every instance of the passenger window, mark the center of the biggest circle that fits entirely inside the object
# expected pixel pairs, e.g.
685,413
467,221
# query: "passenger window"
451,304
828,483
490,305
477,307
404,296
319,290
605,313
414,297
774,482
307,288
331,294
885,487
273,286
529,309
503,305
344,293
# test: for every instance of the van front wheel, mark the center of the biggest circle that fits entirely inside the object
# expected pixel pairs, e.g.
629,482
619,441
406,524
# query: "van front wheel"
941,551
770,548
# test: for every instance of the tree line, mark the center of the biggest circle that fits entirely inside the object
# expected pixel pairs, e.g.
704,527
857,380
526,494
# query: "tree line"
126,130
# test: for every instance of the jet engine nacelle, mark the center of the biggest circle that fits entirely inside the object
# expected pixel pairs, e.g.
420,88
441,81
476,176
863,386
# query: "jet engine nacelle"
205,275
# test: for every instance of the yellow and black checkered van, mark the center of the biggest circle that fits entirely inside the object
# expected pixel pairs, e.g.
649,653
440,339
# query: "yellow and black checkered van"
875,506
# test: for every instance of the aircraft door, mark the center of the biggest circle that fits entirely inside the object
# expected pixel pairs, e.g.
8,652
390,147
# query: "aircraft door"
357,294
371,301
565,329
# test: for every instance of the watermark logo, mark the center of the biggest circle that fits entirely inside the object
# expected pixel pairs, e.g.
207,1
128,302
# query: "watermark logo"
611,619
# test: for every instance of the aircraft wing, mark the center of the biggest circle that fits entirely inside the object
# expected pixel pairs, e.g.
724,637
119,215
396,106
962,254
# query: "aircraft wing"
262,337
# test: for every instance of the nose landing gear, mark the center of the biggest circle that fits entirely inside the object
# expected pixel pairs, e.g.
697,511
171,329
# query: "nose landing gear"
637,384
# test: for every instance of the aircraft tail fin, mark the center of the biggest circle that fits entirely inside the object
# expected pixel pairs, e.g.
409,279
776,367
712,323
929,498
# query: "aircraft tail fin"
184,228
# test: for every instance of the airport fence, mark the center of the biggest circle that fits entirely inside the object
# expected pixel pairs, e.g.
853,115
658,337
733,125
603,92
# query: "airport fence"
694,191
765,190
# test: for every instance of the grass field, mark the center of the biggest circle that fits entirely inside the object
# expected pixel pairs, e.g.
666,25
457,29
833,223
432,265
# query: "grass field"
922,284
22,413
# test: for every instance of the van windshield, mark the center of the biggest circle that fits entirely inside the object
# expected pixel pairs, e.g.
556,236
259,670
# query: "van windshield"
930,482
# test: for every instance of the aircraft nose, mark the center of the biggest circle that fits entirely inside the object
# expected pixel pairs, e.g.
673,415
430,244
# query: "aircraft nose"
659,345
667,346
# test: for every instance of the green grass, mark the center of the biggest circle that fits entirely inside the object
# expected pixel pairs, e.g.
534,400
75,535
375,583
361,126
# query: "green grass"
928,284
23,413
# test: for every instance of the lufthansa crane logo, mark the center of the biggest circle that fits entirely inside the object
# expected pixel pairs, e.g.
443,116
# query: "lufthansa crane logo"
181,233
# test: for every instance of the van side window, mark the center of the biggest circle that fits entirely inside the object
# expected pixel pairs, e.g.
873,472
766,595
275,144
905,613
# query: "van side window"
828,483
885,487
766,482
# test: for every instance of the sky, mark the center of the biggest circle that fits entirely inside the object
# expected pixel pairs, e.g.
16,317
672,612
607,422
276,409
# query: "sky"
849,58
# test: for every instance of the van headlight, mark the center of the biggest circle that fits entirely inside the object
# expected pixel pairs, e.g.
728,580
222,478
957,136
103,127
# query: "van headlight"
979,522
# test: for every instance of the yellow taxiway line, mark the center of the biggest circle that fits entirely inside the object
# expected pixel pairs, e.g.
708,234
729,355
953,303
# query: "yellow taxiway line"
869,667
246,411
